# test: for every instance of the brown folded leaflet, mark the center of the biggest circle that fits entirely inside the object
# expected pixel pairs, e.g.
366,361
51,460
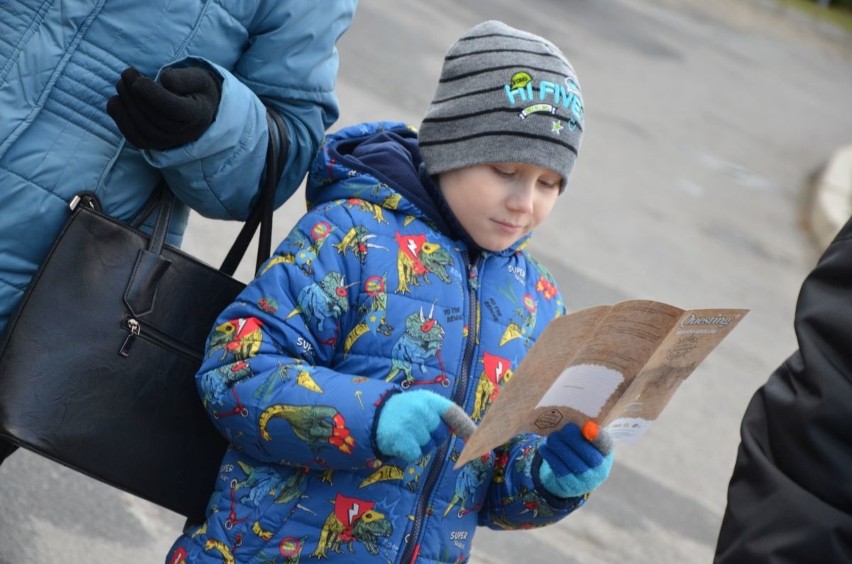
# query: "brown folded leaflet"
617,364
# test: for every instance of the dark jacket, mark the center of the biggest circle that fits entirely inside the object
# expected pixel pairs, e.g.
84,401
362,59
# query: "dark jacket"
790,496
369,295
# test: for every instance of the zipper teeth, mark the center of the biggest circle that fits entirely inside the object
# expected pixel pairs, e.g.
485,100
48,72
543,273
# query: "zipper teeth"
412,547
159,338
472,337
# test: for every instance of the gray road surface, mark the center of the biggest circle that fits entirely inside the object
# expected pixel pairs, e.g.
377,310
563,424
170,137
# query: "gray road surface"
703,123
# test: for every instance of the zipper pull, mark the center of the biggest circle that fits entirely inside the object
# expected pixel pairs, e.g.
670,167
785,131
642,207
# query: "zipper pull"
87,199
133,331
473,278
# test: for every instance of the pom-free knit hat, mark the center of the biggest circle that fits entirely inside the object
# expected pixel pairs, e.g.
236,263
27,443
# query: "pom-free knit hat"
504,95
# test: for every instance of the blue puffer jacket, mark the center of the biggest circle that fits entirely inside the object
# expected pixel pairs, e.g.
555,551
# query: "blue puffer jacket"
368,296
59,62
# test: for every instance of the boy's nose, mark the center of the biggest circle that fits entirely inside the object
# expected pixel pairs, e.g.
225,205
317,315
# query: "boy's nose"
522,198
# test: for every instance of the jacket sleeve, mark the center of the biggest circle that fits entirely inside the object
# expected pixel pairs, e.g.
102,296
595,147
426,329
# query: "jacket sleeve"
516,499
790,496
264,380
291,64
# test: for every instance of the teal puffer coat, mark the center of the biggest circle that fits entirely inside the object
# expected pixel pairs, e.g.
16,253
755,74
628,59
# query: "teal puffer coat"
59,62
364,298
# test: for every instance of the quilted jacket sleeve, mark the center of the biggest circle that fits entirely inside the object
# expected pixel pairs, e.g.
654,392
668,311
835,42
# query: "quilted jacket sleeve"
291,65
516,499
264,380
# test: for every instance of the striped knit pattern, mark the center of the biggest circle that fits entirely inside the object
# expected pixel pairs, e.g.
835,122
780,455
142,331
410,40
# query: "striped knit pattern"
504,95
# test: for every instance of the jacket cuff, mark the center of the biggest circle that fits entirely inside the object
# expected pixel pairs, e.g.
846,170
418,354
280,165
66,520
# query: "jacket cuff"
555,501
382,402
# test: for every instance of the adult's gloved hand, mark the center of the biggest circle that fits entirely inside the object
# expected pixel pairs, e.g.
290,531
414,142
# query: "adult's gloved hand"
166,115
575,461
410,424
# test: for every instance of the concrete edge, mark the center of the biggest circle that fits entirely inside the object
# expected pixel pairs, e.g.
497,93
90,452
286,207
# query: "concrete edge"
831,198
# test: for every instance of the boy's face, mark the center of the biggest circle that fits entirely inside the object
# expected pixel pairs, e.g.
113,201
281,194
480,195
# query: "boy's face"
498,203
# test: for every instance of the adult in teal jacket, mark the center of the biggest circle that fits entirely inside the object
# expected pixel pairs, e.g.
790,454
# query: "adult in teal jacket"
60,62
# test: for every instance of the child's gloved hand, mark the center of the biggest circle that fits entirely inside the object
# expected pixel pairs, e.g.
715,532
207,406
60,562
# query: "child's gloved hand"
574,461
410,424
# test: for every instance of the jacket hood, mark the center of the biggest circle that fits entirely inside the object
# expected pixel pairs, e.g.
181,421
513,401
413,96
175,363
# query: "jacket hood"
381,163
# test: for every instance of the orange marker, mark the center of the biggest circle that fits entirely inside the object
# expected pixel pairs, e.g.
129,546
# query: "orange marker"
591,430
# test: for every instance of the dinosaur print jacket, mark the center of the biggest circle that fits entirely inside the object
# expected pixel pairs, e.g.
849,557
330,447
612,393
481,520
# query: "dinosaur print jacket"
370,294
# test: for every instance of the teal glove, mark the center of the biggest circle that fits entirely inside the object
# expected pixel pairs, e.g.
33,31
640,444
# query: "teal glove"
410,424
575,462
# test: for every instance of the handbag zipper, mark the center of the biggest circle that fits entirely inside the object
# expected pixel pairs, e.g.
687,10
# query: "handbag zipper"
134,329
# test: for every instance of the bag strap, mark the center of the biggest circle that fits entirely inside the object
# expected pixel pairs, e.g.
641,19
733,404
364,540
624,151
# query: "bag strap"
161,228
150,206
163,199
276,154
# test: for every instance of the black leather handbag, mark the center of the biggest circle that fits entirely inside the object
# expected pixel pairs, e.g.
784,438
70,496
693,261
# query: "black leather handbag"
97,367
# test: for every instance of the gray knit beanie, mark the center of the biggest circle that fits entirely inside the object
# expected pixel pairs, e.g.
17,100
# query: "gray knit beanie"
505,95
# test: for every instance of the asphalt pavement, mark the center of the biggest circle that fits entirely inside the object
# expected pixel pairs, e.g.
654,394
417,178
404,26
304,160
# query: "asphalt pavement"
708,123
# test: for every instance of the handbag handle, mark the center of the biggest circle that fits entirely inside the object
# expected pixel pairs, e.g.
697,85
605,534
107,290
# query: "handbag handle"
276,153
277,148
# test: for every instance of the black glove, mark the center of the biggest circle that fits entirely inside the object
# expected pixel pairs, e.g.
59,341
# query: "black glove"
166,115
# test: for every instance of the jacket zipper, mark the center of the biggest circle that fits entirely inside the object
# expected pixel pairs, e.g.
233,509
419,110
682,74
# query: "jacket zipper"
412,546
136,329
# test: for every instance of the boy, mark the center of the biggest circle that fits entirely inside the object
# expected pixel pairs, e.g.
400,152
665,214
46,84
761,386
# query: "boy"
406,288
